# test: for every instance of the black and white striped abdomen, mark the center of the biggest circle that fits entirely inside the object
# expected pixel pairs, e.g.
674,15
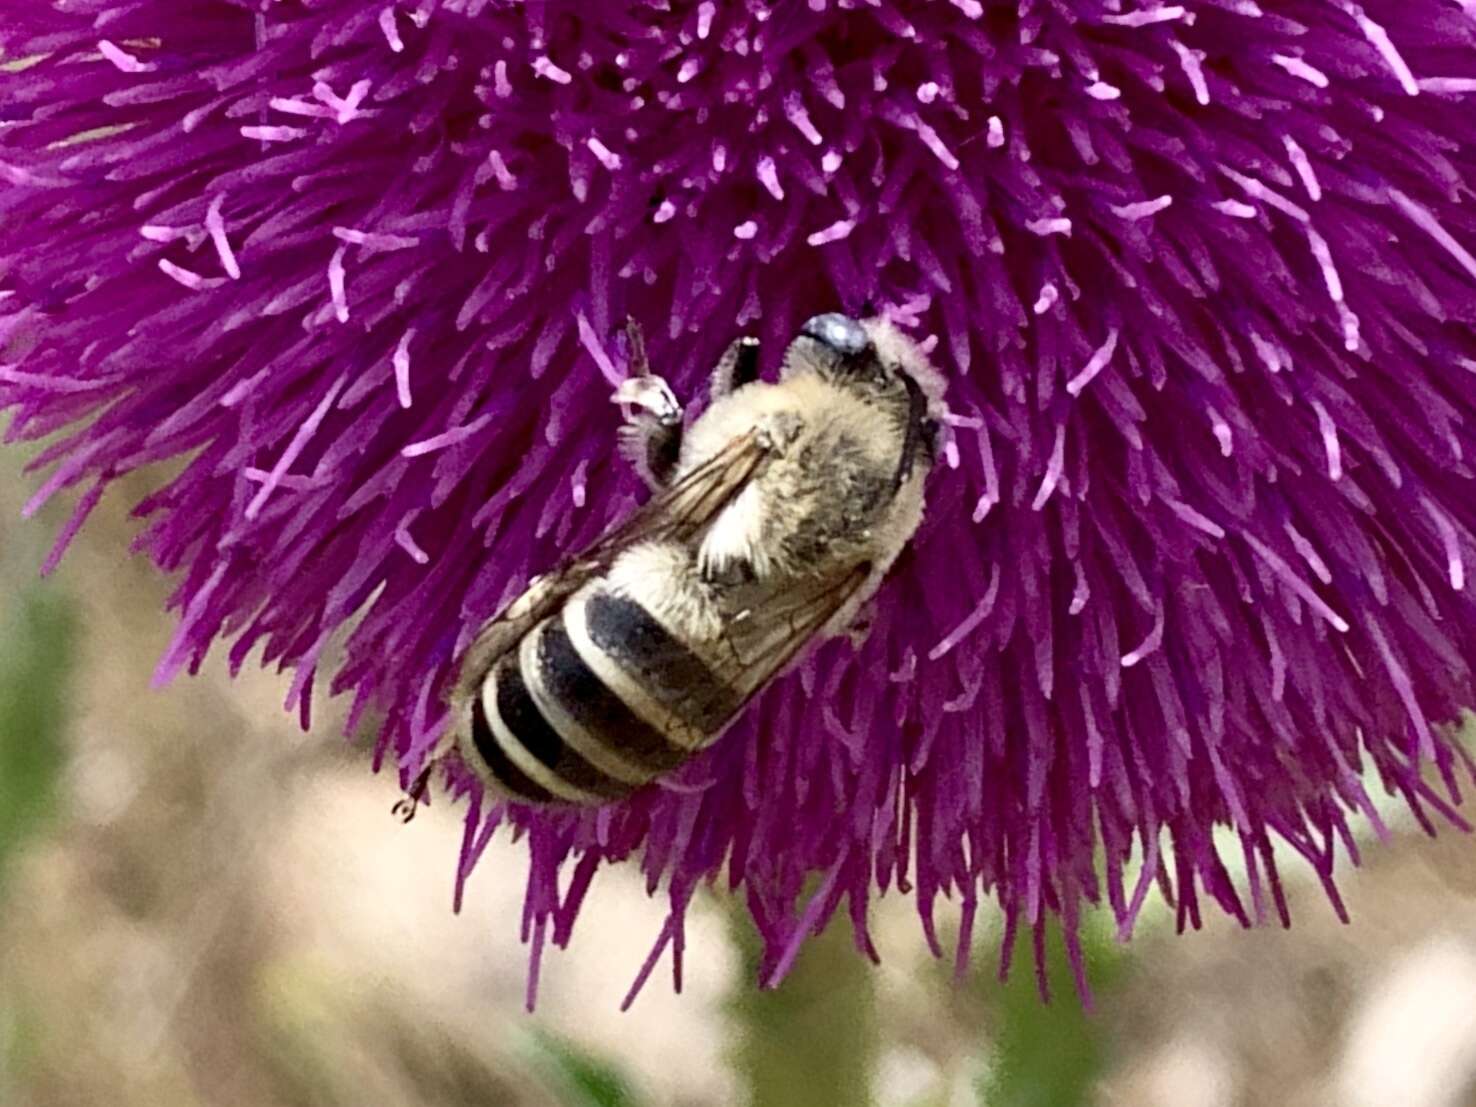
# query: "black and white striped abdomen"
594,702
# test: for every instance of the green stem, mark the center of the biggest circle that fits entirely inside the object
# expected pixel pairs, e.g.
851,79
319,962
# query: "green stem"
1050,1054
812,1041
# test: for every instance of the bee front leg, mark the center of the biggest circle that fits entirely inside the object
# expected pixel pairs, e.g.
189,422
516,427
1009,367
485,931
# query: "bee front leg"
921,433
651,438
737,367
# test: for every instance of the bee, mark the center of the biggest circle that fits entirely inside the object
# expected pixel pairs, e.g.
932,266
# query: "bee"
775,517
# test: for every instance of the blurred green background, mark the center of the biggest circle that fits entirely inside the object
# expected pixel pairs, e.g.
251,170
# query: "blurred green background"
199,905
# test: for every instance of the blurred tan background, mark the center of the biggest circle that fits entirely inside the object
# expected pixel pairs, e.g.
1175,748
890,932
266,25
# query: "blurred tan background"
200,905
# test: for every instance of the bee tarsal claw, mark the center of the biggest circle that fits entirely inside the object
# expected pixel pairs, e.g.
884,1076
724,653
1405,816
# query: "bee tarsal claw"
408,804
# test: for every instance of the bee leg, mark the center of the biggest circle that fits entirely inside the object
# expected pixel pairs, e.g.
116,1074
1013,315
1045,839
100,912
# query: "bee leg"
917,435
653,449
407,806
737,367
859,628
651,438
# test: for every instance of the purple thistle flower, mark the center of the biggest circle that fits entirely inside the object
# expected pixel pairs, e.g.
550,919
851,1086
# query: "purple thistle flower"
1201,274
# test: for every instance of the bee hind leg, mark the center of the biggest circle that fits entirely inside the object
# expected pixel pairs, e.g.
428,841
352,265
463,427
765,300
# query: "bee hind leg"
406,807
651,438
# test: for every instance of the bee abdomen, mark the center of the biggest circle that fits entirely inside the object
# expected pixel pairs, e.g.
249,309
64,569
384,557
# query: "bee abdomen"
525,751
595,702
632,748
489,747
662,674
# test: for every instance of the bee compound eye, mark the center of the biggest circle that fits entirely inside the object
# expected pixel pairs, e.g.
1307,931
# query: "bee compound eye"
840,332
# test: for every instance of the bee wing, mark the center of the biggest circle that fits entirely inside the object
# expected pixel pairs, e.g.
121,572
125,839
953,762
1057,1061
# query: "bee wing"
763,638
677,513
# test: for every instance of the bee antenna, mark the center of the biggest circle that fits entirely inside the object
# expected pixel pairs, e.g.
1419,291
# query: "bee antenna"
406,807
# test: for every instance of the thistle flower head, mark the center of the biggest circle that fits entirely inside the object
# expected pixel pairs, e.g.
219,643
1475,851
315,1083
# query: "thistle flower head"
1201,274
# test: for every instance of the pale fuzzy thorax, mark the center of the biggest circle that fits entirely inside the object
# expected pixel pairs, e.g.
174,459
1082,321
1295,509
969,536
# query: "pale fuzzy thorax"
887,543
806,415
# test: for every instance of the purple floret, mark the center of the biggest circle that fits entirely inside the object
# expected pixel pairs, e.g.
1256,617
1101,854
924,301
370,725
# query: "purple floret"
1200,274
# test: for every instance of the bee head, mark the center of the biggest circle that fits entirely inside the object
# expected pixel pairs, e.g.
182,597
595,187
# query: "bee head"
837,347
871,356
875,360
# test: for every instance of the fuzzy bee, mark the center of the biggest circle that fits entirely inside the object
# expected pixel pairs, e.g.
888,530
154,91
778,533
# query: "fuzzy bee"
775,517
